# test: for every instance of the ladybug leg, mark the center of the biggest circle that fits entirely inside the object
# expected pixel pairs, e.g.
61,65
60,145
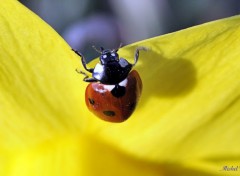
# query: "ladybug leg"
137,54
83,60
86,78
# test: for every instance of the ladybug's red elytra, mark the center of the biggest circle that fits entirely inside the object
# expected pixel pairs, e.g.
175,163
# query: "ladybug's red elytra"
114,89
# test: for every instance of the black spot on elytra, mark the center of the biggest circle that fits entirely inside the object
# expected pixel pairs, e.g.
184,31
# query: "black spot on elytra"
118,91
91,101
109,113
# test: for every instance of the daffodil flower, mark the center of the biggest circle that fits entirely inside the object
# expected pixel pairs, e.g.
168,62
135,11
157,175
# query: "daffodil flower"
187,121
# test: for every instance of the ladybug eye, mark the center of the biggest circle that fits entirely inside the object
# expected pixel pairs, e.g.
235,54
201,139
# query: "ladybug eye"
104,56
113,54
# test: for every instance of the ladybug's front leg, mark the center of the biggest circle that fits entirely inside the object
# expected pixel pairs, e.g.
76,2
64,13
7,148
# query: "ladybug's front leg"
84,63
137,54
86,78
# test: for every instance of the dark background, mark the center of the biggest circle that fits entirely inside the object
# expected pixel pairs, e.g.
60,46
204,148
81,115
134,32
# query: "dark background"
107,23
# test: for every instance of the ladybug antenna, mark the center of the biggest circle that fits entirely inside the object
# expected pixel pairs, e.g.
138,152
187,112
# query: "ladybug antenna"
99,51
115,50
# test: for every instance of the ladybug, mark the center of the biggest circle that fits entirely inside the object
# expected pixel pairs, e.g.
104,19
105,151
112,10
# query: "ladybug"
114,88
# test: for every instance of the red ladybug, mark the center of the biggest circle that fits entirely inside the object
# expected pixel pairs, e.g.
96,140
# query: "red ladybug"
114,90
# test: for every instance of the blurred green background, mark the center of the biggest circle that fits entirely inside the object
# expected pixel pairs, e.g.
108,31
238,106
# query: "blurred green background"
107,23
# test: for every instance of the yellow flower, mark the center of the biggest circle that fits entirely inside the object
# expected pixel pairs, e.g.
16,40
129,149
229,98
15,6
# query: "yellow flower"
187,121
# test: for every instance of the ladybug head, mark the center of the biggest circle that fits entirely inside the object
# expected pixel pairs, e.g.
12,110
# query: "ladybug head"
108,56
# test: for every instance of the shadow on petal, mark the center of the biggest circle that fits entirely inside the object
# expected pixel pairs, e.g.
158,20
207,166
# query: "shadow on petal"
166,77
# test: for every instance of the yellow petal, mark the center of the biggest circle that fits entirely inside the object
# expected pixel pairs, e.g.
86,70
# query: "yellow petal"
188,116
187,121
39,95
